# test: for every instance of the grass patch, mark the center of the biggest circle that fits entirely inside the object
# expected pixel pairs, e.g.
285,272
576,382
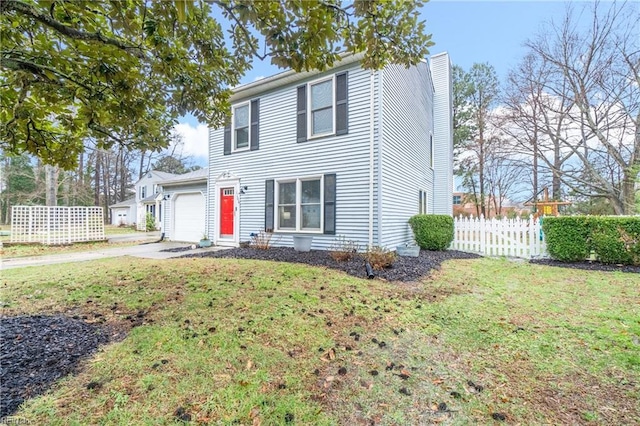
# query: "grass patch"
234,341
28,250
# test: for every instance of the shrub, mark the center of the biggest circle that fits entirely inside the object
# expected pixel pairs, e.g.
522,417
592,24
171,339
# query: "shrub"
261,240
342,249
150,223
380,257
616,239
566,238
432,231
612,239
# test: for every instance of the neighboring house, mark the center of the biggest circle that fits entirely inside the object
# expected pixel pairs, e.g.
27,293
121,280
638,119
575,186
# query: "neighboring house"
344,152
124,212
184,201
149,198
463,205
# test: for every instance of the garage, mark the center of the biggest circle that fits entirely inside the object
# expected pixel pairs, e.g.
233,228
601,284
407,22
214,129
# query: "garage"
189,217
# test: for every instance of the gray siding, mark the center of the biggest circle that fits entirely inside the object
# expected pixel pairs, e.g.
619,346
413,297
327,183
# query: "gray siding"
170,192
281,156
407,123
443,134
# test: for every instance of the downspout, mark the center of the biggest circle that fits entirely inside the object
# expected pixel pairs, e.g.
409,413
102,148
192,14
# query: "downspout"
380,148
371,150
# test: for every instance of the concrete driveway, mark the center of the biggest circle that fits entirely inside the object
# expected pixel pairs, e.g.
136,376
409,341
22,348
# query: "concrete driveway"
146,251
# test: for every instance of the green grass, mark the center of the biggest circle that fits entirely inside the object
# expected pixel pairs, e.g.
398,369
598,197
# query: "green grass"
118,230
27,250
240,342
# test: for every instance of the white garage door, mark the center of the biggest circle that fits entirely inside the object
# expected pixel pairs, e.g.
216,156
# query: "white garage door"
188,219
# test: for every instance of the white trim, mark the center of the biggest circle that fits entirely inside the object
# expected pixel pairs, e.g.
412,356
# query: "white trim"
298,206
226,180
233,127
310,134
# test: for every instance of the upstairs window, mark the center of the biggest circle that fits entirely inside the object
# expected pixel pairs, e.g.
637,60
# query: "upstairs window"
457,200
321,100
243,131
143,192
322,108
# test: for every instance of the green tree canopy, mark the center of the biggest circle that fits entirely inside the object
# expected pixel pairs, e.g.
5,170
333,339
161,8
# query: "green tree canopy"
121,72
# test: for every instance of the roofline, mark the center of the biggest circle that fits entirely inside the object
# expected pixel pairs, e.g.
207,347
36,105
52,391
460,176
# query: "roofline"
285,78
178,182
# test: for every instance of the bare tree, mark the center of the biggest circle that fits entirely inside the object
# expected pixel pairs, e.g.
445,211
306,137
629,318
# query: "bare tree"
590,109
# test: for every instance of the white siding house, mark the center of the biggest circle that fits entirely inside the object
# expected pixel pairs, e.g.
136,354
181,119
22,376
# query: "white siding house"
344,152
148,198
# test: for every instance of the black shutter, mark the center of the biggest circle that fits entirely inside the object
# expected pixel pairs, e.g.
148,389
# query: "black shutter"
330,204
302,114
227,139
342,113
268,206
255,128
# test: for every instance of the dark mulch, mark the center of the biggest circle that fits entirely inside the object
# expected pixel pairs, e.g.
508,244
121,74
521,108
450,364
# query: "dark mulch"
35,351
179,249
587,265
403,269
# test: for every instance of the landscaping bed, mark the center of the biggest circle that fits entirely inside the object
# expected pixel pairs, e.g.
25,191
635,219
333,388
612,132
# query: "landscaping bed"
38,350
403,268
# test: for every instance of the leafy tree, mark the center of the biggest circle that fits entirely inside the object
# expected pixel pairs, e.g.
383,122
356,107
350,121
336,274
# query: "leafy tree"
476,94
171,164
121,72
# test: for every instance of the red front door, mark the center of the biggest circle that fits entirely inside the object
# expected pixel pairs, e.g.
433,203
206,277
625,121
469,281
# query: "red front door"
226,212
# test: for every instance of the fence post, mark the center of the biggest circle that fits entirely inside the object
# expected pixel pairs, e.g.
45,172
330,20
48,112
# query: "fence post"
483,235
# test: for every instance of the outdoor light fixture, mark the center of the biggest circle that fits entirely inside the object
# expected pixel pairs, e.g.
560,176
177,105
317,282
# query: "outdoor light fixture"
243,189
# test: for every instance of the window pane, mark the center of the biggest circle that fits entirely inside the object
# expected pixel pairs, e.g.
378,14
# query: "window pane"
321,95
241,117
242,138
322,121
310,191
287,193
311,216
287,217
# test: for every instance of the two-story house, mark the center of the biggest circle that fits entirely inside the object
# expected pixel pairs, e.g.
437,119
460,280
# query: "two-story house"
344,152
149,198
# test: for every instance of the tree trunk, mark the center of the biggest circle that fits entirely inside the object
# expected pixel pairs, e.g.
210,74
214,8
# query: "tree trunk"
51,184
96,180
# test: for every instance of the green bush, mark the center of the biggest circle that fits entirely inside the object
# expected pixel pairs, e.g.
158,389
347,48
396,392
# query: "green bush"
612,239
432,231
566,238
150,222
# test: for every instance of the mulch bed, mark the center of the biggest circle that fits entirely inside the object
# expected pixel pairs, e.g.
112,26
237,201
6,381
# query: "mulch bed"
35,351
587,265
403,269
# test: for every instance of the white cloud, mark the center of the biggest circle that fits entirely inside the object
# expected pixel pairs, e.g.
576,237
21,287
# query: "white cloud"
258,78
195,139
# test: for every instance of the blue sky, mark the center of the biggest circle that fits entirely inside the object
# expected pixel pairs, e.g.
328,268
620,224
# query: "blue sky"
471,31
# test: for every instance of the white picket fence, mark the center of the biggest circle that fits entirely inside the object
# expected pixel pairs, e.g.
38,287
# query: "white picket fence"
56,225
499,237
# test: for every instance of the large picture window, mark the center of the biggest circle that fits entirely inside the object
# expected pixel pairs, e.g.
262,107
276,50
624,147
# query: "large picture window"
241,128
299,204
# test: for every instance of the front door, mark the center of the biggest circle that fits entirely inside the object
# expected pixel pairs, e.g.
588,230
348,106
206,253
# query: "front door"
227,208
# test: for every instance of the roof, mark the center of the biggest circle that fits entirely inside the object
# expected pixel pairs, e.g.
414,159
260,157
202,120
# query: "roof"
158,175
126,203
285,78
199,175
150,198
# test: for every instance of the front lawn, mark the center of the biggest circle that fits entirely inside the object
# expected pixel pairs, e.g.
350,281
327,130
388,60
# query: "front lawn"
26,250
229,341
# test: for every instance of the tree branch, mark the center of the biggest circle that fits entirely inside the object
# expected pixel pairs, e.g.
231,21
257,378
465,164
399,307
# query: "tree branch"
28,10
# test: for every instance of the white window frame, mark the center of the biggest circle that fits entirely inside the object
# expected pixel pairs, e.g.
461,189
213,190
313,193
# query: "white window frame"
234,148
310,134
143,192
276,205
